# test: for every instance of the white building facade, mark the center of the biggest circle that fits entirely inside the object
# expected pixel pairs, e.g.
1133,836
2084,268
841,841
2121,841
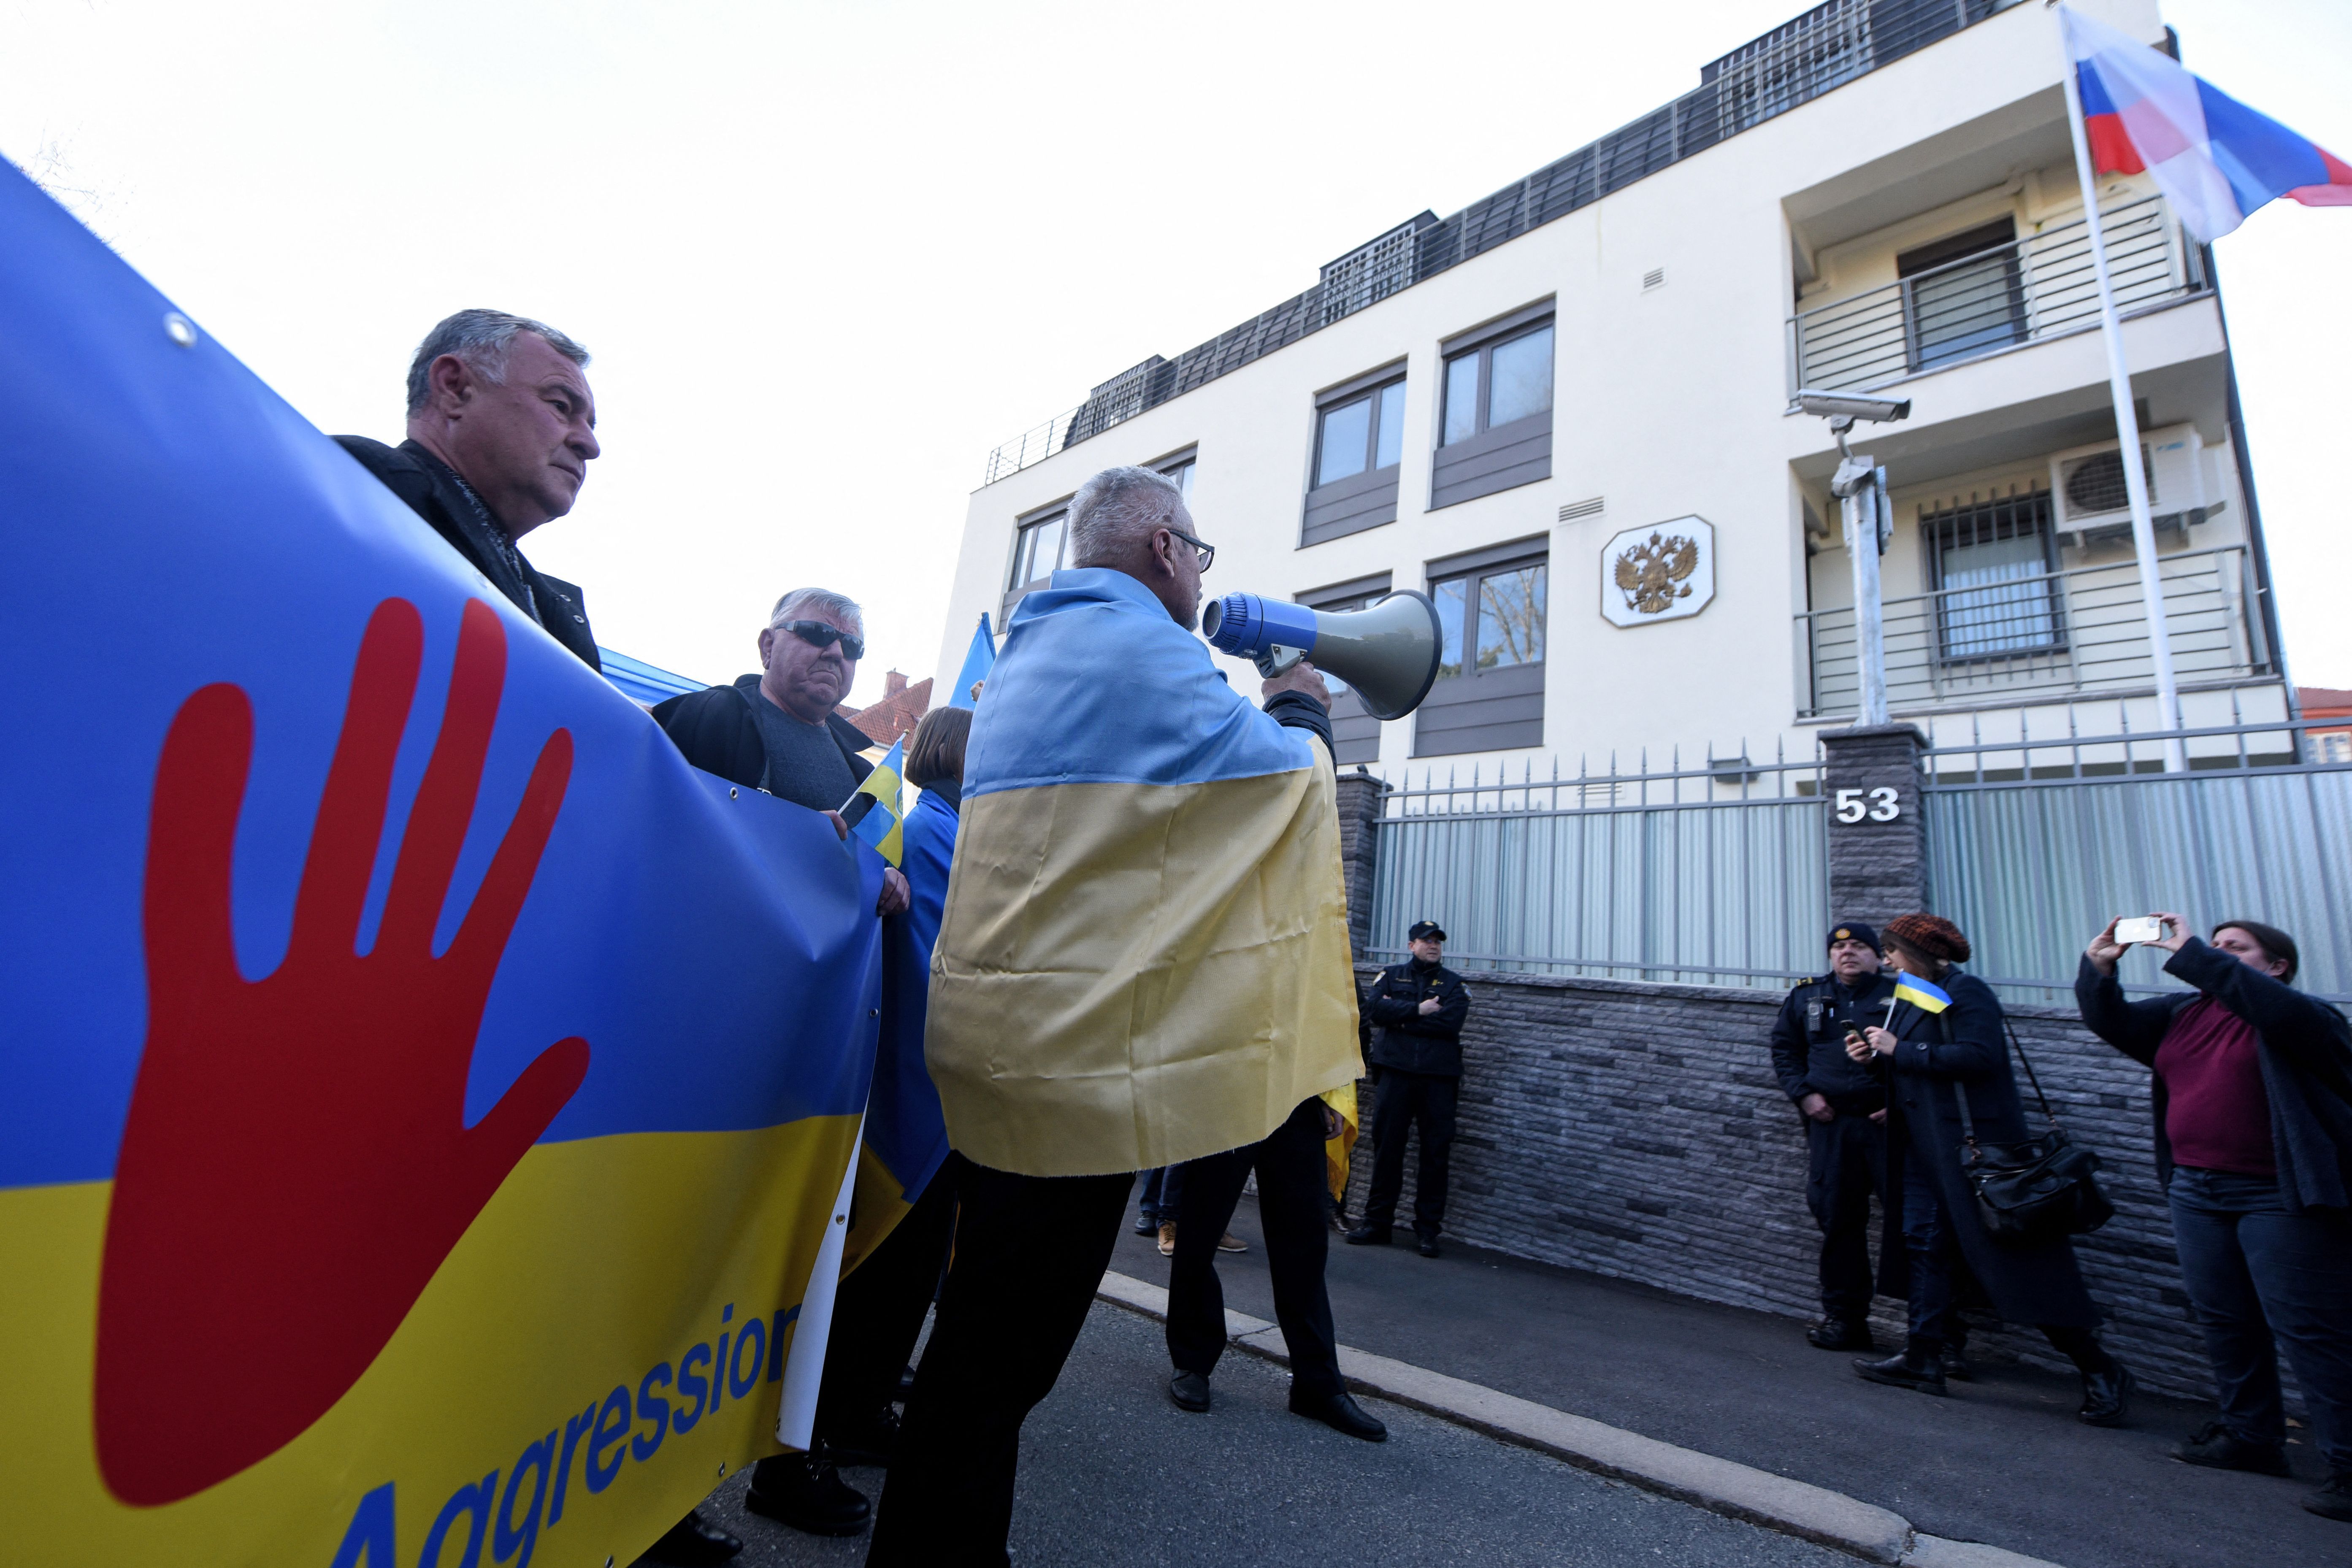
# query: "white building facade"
1565,415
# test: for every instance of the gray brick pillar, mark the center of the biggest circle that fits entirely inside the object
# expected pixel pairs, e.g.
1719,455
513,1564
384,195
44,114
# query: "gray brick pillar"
1359,809
1878,863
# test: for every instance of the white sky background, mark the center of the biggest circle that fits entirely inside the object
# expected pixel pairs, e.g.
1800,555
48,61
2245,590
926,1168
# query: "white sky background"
827,255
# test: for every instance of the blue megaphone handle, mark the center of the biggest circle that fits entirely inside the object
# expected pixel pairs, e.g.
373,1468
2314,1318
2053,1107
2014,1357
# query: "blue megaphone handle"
1246,626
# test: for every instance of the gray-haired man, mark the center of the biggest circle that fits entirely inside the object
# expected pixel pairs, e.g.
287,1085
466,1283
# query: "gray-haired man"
501,428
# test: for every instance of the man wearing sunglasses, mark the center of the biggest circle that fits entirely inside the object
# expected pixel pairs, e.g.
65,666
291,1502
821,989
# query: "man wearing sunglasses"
776,730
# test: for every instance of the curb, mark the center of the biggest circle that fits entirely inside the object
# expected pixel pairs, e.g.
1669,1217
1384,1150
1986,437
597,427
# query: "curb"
1737,1491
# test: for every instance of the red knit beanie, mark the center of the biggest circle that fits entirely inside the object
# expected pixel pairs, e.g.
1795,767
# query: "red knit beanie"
1931,935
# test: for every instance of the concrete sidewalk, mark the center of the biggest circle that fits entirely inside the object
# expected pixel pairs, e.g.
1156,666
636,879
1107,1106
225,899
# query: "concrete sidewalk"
2001,1461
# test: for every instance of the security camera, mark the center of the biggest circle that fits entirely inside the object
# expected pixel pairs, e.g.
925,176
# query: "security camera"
1851,406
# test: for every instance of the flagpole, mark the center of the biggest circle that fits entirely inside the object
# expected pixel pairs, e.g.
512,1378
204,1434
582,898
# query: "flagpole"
2151,586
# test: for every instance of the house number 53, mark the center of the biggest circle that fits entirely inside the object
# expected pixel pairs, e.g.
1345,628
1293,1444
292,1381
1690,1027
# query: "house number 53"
1881,805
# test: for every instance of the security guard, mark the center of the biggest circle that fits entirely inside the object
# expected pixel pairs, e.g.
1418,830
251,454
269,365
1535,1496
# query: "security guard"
1416,1062
1845,1122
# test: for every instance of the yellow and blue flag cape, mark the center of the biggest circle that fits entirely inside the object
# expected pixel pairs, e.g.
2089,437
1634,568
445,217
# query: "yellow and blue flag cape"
1144,954
1925,994
421,1094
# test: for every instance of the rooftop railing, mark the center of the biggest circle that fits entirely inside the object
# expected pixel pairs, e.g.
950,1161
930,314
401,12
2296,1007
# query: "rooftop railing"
1798,61
2032,288
2079,630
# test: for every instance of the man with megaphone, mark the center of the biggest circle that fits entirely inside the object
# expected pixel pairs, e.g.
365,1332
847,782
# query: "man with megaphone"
1143,960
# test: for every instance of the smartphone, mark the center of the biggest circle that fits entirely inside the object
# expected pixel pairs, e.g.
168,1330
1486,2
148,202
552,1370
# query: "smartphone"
2139,928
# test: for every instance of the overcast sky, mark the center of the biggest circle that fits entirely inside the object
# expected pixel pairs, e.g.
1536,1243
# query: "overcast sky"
827,255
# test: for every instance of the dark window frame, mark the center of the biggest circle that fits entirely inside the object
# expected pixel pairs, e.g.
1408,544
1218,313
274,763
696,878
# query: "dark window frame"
1483,341
1513,694
2007,516
1024,526
1490,458
1989,248
1367,498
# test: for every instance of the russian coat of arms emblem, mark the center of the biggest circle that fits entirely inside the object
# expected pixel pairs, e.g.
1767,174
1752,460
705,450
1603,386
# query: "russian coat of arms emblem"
1652,573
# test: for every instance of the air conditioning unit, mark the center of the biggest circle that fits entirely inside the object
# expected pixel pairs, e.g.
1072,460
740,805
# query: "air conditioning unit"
2087,485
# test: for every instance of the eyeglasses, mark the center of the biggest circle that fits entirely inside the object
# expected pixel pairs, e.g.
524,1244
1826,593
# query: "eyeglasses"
817,634
1206,552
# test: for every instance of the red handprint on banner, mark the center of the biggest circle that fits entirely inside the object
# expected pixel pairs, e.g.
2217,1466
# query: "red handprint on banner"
296,1161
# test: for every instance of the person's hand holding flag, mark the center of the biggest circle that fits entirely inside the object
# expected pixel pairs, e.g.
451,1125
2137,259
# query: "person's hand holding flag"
873,814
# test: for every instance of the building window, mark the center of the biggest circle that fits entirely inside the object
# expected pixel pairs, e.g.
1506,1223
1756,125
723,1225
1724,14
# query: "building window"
1996,588
1495,429
1362,433
1181,470
1491,609
1962,296
1358,444
1355,733
2336,746
1037,552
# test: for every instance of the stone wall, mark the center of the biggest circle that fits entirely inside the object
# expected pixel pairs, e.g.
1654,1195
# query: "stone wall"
1637,1131
1359,809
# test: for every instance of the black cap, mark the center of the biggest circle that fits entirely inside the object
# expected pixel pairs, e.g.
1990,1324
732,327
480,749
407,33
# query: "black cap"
1853,931
1421,928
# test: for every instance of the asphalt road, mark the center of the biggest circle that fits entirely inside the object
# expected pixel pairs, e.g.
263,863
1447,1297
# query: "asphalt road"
1112,1475
2003,1460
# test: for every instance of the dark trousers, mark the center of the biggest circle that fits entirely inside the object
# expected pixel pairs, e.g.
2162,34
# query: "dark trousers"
1290,1193
1928,1243
1848,1163
1402,1099
1029,1253
2263,1279
876,1318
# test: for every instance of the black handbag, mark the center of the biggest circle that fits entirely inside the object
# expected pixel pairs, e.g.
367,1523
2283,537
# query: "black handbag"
2033,1192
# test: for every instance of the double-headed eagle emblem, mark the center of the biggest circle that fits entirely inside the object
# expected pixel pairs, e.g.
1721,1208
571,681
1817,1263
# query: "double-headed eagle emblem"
1652,571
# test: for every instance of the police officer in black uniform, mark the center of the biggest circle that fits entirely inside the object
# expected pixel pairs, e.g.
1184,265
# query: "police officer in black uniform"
1417,1008
1845,1122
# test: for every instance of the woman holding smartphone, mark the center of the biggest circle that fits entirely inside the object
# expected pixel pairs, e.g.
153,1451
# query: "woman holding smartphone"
2254,1145
1931,1056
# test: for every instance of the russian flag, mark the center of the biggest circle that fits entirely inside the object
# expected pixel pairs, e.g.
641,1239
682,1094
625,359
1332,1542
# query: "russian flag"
2215,159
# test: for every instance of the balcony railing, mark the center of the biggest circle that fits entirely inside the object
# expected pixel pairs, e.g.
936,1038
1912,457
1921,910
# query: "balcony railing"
1831,45
2056,634
2036,287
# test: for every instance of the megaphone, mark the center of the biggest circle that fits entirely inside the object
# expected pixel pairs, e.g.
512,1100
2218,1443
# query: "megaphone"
1388,653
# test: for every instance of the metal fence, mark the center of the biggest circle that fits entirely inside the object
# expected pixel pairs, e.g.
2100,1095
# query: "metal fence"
2048,634
2042,286
1713,875
2036,843
1798,61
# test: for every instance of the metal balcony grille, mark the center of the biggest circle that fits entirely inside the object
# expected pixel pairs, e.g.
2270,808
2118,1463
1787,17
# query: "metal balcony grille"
2032,288
1790,65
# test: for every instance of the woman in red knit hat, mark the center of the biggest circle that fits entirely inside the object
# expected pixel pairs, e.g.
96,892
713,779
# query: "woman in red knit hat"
1931,1060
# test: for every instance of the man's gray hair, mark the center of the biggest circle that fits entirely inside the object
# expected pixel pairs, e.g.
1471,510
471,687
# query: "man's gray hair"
1117,507
482,338
795,605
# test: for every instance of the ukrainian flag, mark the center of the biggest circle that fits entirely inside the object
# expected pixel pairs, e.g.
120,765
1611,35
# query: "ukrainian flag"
1144,954
1925,994
879,824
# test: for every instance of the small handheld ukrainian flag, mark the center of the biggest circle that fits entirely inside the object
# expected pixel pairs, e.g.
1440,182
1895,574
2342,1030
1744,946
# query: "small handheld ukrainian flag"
878,823
1925,994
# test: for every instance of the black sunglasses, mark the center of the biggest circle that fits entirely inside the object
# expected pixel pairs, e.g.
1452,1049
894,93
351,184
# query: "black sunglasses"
817,634
1206,552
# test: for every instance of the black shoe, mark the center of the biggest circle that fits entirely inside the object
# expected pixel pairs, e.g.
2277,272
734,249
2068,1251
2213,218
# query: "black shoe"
1916,1369
1189,1391
1339,1413
2217,1448
874,1441
1836,1333
2106,1396
694,1542
806,1493
1367,1235
1429,1247
1145,1224
2332,1500
1956,1365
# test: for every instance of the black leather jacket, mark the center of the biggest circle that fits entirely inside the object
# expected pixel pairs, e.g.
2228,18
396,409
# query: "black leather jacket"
1404,1038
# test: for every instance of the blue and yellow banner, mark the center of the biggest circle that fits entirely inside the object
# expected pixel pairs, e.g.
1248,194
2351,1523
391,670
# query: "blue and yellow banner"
1144,954
422,1095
